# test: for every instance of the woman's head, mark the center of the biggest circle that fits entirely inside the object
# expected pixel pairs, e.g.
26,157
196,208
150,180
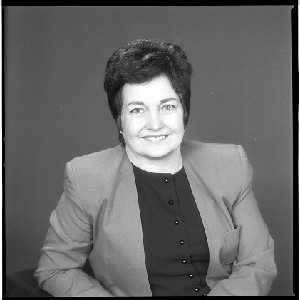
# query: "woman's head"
139,62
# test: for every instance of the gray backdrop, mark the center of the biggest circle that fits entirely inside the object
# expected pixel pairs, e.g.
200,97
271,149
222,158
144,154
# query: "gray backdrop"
56,108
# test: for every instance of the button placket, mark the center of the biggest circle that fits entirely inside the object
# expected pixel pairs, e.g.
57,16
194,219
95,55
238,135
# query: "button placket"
176,239
171,200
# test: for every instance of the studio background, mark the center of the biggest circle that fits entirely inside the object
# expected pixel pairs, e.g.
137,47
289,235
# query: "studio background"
56,108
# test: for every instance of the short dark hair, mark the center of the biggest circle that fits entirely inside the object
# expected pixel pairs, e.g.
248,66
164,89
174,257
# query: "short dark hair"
141,60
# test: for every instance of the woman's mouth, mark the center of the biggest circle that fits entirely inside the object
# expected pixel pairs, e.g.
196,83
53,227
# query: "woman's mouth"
153,138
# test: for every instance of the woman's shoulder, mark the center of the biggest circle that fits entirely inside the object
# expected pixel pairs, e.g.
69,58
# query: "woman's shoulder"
210,151
103,160
221,166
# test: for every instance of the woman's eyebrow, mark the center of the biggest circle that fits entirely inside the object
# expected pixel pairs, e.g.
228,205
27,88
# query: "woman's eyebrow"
167,100
161,101
135,103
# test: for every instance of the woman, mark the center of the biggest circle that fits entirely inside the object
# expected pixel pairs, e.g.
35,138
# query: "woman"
158,215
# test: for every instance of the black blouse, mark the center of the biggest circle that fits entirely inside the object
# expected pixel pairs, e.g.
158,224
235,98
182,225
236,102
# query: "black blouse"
175,245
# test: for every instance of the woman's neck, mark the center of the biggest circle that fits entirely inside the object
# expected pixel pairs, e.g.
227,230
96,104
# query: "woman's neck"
171,163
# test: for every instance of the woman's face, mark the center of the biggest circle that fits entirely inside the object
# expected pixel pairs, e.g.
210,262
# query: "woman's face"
152,118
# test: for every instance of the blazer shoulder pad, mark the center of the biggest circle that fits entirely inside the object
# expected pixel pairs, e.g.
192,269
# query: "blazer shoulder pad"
213,153
99,163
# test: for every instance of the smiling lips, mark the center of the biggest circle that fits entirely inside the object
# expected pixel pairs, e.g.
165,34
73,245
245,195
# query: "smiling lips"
153,138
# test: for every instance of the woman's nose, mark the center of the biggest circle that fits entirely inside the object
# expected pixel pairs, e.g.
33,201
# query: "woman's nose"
154,121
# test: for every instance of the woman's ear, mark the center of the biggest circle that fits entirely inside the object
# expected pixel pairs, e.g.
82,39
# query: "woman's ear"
119,124
120,129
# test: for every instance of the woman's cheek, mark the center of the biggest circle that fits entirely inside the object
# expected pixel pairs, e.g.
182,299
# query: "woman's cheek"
175,123
134,125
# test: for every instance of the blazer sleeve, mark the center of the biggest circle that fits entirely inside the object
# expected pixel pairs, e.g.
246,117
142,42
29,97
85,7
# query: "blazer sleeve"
254,269
66,247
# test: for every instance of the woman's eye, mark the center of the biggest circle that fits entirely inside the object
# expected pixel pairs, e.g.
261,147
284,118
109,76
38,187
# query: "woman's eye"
169,107
137,110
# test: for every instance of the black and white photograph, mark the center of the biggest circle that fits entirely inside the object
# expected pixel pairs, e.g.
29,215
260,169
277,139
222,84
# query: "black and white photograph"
148,151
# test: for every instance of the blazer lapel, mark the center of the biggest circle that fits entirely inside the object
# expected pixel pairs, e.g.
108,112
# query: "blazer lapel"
211,218
125,236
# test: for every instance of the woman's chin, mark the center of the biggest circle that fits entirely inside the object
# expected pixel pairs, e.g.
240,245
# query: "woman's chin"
153,150
157,152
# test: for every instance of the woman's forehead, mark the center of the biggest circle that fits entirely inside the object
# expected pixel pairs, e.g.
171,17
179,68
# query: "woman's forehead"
157,90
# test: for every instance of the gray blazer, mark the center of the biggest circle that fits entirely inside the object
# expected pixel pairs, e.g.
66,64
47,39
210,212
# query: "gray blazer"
98,218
